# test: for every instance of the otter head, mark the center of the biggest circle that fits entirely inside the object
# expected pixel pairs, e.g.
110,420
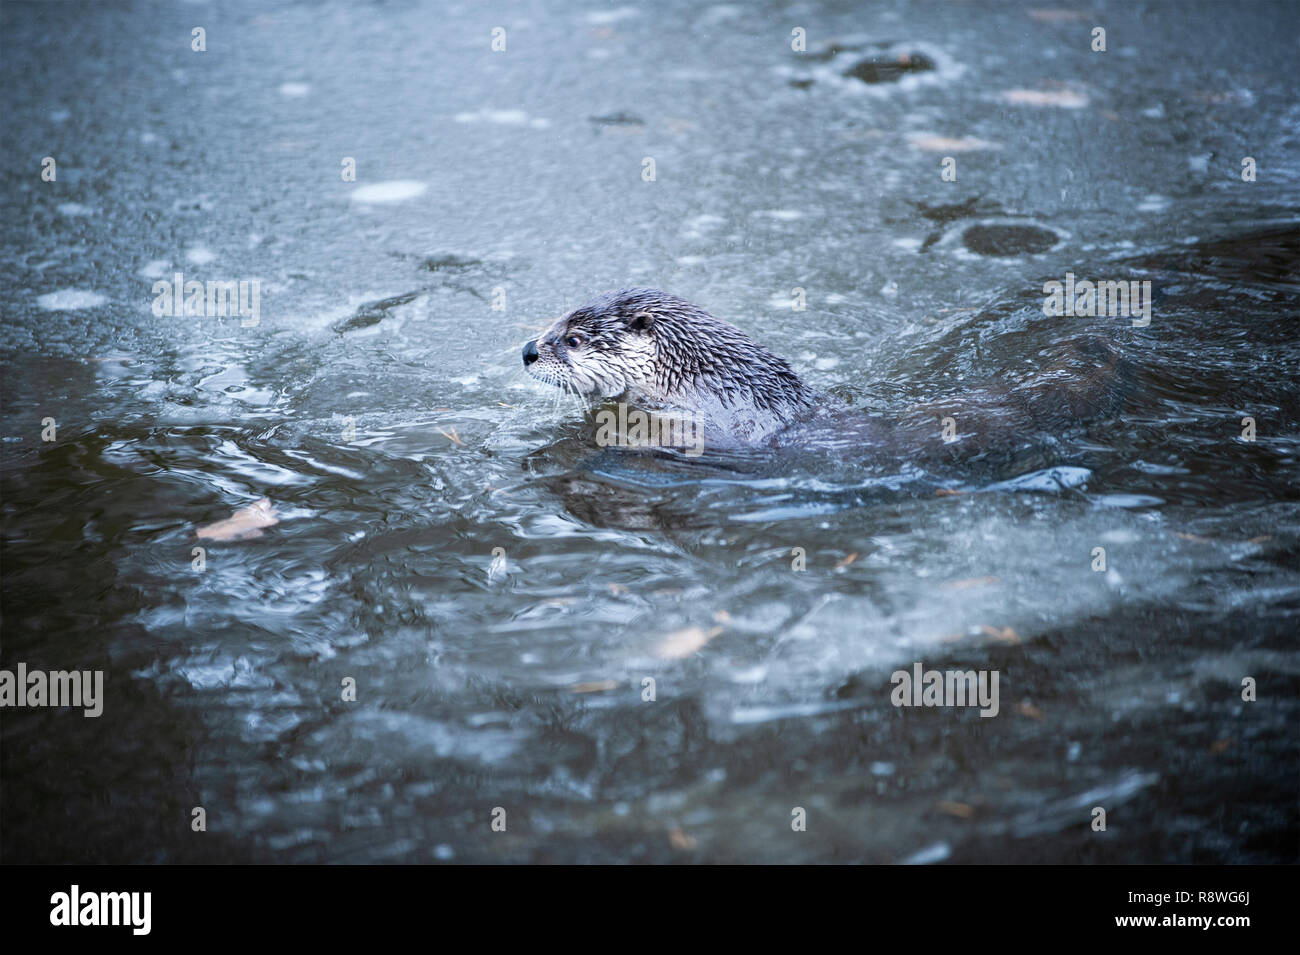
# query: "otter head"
603,350
660,350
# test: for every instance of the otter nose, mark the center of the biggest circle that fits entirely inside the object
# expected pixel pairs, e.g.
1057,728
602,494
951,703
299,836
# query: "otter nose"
530,352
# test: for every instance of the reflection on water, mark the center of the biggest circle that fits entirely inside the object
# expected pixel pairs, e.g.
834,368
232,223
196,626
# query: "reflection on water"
448,535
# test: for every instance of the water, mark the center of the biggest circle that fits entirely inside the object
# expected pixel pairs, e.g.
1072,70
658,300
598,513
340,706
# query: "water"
379,403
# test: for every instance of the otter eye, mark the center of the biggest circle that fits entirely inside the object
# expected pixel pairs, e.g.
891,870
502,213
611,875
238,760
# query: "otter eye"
573,341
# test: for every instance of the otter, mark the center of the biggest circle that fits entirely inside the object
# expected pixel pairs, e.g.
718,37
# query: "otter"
654,350
662,353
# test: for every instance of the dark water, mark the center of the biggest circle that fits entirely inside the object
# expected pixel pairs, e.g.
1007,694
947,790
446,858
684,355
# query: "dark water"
380,405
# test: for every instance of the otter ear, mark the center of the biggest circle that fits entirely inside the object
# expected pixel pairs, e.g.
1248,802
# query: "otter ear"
641,322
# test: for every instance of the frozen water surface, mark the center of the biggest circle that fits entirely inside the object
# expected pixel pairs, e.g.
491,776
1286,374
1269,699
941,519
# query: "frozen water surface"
449,535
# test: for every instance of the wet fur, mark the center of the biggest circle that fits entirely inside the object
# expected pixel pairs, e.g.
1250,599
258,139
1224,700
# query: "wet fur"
661,352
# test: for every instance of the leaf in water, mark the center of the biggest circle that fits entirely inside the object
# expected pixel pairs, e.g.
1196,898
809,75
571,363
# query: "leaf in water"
682,643
1005,635
245,523
680,840
1069,99
598,687
1028,709
946,144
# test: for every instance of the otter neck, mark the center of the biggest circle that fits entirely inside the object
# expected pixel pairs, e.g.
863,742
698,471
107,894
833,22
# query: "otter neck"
739,378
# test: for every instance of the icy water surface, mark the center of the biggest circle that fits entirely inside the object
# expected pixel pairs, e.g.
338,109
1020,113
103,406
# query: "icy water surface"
445,532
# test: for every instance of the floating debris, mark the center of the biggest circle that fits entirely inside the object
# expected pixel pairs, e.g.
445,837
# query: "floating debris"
1000,635
245,523
946,144
1006,240
617,119
885,69
681,841
372,313
598,686
1066,99
959,809
452,263
683,643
